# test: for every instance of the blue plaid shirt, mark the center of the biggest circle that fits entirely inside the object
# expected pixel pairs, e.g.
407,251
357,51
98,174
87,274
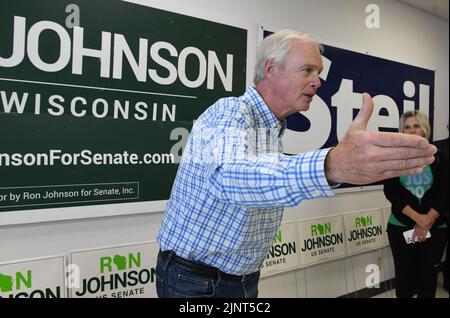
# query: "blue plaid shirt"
232,184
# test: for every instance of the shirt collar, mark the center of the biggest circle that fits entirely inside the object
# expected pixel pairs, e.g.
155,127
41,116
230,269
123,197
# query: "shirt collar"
266,114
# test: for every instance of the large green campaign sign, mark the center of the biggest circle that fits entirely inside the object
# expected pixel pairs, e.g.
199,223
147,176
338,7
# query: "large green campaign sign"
97,98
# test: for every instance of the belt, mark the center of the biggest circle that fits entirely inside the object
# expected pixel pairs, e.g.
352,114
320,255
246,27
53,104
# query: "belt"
199,268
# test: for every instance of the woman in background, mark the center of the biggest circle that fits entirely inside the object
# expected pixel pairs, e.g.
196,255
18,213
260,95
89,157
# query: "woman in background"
418,203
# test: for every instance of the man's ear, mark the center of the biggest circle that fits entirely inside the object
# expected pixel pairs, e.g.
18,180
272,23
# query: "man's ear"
269,68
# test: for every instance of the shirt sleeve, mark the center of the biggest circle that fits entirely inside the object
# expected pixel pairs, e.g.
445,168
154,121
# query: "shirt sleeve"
271,180
238,174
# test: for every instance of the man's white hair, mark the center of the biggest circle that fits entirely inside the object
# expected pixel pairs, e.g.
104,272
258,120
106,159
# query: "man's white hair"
275,47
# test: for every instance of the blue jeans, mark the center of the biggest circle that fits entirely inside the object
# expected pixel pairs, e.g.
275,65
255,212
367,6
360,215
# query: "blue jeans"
175,281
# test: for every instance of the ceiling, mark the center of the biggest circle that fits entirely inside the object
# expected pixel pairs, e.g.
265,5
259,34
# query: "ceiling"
435,7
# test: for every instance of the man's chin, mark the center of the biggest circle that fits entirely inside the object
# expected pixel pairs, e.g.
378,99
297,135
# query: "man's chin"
304,107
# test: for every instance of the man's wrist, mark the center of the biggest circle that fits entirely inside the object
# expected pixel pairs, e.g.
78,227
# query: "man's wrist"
330,171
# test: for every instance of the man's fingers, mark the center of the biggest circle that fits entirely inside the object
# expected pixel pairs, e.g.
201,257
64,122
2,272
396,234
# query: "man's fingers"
390,153
387,174
392,169
402,167
389,139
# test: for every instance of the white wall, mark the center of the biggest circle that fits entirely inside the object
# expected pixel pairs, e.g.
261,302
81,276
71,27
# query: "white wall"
406,35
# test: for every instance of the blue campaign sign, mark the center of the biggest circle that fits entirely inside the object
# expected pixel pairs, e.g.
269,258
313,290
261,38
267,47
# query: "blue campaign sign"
395,88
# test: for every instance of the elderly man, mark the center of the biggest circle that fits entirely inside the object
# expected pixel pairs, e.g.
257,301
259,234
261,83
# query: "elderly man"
233,181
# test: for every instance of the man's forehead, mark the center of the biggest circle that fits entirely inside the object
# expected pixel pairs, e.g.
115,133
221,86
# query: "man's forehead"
307,47
311,54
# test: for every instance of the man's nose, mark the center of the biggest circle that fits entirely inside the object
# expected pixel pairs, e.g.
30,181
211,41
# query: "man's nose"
316,82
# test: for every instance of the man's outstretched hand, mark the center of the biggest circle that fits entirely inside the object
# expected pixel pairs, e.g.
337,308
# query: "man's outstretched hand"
363,157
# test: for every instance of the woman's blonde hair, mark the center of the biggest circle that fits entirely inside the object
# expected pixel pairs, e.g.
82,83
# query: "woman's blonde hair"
422,119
